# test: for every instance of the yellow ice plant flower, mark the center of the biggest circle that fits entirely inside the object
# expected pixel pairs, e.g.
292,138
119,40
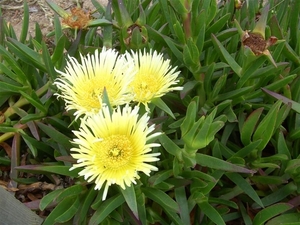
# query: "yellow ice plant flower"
82,84
113,148
154,76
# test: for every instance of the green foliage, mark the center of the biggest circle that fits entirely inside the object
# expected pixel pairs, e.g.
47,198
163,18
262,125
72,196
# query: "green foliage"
230,142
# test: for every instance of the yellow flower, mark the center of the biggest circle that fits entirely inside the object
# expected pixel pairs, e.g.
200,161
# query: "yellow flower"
82,84
154,77
112,149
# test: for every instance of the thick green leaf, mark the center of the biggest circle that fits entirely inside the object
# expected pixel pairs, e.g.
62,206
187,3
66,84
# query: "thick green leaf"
227,57
181,199
190,117
70,212
28,141
26,54
49,198
219,85
48,61
160,177
34,100
5,87
198,174
233,94
163,106
4,161
208,209
178,6
98,22
285,219
160,197
130,198
85,206
242,153
282,147
249,126
14,72
202,132
56,135
266,127
244,184
25,24
60,11
220,201
63,207
221,36
106,209
179,32
73,190
273,87
56,169
285,100
217,25
169,145
278,195
218,164
58,52
270,212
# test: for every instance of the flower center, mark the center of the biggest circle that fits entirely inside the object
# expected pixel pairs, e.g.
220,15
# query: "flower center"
88,95
145,86
115,151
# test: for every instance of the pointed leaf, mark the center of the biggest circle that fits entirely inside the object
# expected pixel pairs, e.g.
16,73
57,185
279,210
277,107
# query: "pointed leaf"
56,135
163,106
285,100
208,209
227,57
72,190
56,169
244,185
106,209
270,212
160,197
181,198
49,198
60,209
169,145
249,126
34,100
85,206
218,164
266,127
70,211
130,198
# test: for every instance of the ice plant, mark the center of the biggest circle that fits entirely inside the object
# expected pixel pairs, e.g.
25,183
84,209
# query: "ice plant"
113,148
154,76
82,84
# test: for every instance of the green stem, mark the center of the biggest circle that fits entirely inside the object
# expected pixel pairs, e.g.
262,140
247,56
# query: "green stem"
9,135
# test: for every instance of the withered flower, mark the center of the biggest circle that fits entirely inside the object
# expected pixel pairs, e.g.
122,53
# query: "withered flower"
255,40
257,43
78,19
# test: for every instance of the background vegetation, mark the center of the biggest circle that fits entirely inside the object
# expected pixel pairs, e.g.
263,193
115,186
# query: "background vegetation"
230,143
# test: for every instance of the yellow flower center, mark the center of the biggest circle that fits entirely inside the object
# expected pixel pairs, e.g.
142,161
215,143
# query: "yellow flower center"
145,86
88,94
115,151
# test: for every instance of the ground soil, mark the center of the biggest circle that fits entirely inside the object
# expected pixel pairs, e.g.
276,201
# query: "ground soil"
12,11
